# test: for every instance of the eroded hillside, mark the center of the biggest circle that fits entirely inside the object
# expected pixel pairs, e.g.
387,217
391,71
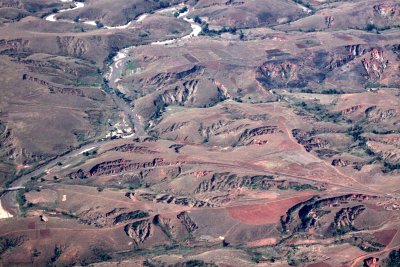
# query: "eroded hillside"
201,133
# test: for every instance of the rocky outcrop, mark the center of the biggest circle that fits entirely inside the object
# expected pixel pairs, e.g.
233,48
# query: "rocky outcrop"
376,115
309,141
72,46
257,142
166,225
346,55
162,79
189,224
199,174
264,130
351,110
12,3
170,199
132,148
173,127
133,215
280,74
212,129
345,217
306,215
341,162
329,21
92,217
10,47
233,130
344,163
52,88
176,147
123,165
180,95
375,65
139,231
387,9
228,182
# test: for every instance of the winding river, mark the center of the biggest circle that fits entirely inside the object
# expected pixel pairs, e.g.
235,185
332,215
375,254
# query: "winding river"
196,29
112,76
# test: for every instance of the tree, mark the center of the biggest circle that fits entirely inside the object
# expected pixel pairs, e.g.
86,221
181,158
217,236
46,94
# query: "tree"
394,259
99,24
198,20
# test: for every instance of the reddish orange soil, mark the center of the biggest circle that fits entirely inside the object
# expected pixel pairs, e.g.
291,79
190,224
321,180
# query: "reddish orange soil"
262,242
266,213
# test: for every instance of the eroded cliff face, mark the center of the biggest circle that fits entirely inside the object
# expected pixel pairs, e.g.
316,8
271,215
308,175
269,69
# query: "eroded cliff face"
228,182
309,141
364,63
310,214
387,9
139,231
280,74
72,46
376,64
189,201
187,221
53,88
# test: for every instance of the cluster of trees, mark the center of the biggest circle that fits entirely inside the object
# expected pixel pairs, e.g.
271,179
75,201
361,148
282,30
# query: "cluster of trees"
394,259
207,31
325,92
180,11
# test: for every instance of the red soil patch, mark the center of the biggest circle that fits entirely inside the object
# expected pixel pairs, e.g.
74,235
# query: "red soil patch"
262,242
266,213
319,264
385,237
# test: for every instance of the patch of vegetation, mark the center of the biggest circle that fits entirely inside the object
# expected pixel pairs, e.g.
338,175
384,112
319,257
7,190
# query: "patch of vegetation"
320,111
180,11
365,243
7,243
370,27
301,2
198,20
143,34
100,254
90,153
99,24
389,167
330,91
69,214
206,31
302,187
57,253
393,260
22,202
